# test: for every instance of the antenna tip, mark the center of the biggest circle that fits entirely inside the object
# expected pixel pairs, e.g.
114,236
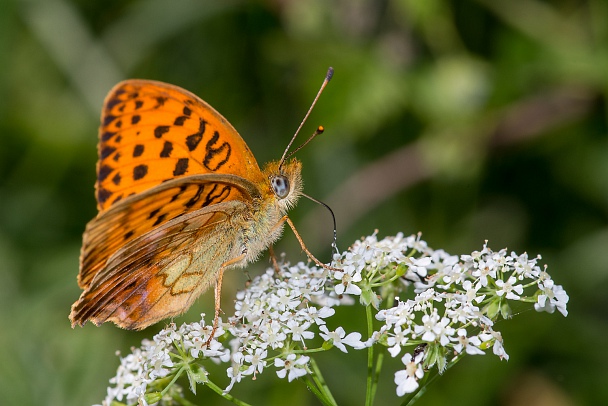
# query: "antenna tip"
320,130
330,74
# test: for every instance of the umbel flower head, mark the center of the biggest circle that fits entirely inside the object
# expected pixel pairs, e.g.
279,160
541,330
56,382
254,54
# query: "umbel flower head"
431,308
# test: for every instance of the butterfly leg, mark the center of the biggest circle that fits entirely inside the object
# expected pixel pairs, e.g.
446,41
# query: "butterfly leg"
218,293
273,259
308,253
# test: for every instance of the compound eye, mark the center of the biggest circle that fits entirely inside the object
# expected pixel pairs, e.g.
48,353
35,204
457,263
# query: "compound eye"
280,185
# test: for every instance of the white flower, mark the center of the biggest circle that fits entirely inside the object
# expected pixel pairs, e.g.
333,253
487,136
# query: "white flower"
256,360
348,278
469,344
298,331
497,348
398,338
509,288
419,265
434,327
407,379
235,374
292,368
340,338
552,297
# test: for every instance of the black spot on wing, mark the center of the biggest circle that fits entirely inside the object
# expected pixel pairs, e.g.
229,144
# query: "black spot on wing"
104,171
108,119
180,120
138,150
181,167
140,171
160,219
153,213
160,101
167,148
106,152
112,102
106,135
116,179
193,140
103,195
160,130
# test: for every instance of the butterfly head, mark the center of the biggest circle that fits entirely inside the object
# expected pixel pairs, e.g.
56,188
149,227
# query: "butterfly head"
285,182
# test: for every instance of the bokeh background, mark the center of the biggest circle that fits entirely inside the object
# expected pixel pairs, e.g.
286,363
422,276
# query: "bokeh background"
464,120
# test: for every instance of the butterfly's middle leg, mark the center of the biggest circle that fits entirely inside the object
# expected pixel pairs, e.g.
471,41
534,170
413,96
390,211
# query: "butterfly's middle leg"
218,293
273,259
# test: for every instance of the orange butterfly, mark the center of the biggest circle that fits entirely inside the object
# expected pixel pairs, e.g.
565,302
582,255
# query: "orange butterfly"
181,199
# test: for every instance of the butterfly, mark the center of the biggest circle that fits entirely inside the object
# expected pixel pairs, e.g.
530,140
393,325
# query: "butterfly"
181,199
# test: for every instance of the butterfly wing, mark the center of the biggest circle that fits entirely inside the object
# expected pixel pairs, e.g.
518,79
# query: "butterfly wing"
152,132
173,177
158,271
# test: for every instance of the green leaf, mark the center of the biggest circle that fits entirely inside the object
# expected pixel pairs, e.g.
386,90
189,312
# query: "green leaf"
196,374
367,296
492,308
505,310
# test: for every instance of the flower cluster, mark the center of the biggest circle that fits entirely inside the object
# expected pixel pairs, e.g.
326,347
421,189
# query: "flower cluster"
169,350
431,306
276,313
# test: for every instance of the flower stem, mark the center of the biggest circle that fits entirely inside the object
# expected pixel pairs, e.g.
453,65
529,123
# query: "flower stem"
177,375
320,388
370,389
226,396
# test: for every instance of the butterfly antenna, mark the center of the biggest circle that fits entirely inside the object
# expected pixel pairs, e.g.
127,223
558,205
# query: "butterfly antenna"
328,76
318,131
334,244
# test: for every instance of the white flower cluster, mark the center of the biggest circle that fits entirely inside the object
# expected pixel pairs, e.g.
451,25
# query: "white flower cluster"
276,313
160,357
455,299
452,304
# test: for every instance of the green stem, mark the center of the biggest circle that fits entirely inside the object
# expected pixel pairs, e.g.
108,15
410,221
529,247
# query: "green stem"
310,383
177,375
369,390
321,386
226,396
379,361
424,386
182,401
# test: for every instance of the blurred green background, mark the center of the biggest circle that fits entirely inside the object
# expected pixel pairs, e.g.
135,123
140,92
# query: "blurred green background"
465,120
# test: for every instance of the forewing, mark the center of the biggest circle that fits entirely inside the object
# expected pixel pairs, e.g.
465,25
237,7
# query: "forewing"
152,132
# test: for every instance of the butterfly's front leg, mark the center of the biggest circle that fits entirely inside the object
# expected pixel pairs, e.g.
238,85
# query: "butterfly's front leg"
286,219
